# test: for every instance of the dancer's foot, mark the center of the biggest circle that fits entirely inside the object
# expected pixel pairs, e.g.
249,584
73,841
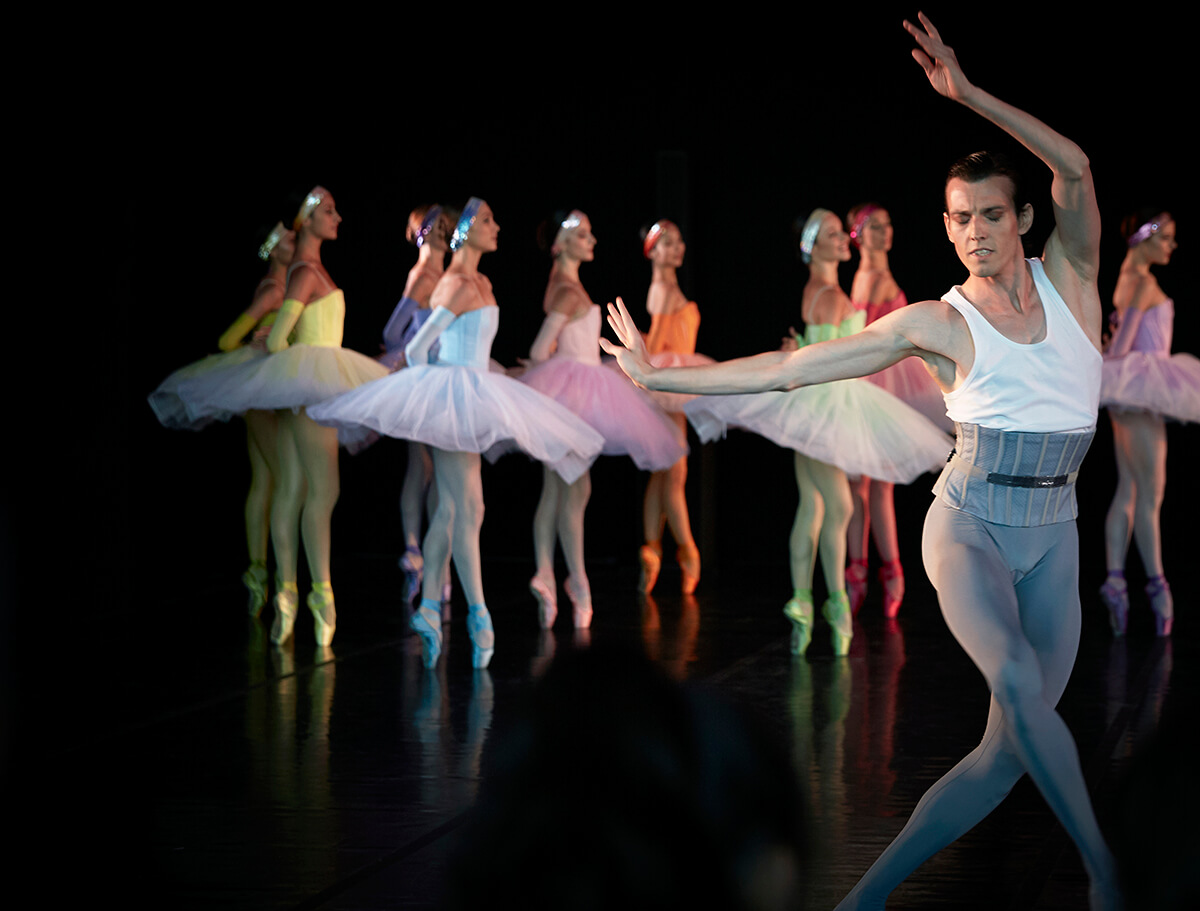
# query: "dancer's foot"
447,593
320,602
650,557
427,623
483,638
1161,602
545,591
580,594
287,597
892,577
689,568
255,580
1115,596
413,565
837,612
856,583
800,611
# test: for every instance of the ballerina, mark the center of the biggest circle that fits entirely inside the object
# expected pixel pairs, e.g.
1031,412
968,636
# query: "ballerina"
429,230
674,322
261,426
566,357
1143,386
461,409
1015,349
298,374
834,429
874,516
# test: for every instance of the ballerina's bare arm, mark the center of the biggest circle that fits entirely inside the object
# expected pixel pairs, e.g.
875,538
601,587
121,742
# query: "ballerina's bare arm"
930,330
1072,253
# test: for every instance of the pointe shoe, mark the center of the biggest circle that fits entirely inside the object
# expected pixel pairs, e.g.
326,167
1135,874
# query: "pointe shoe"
650,557
483,637
447,593
413,567
1161,602
255,580
547,600
892,577
286,598
427,623
689,567
800,611
580,594
1116,599
320,603
856,584
836,610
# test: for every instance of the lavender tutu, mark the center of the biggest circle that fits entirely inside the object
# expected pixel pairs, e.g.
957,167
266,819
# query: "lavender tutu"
1148,377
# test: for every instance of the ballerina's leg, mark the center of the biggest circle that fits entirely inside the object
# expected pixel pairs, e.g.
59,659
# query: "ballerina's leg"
318,449
806,527
287,502
261,431
545,521
1147,450
1118,523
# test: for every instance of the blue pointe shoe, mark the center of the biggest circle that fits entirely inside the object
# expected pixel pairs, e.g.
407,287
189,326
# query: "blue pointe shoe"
427,623
800,611
483,637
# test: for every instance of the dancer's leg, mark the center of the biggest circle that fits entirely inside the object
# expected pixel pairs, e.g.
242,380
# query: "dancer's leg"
859,527
674,496
262,428
1118,524
1147,450
834,489
287,502
883,520
318,449
418,474
545,521
810,512
572,504
460,510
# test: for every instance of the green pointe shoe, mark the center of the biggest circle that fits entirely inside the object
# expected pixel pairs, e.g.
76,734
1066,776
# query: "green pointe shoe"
255,580
800,611
837,611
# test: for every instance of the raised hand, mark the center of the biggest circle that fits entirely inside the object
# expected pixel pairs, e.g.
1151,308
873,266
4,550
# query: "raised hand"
938,60
632,357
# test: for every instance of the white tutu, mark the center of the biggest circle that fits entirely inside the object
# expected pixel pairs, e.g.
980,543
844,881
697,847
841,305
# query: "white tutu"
629,422
851,424
911,383
170,409
1143,381
673,402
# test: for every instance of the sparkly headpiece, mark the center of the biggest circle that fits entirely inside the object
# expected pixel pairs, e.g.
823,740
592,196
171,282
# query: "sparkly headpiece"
808,236
427,223
652,236
465,221
1148,230
273,239
861,222
311,201
573,220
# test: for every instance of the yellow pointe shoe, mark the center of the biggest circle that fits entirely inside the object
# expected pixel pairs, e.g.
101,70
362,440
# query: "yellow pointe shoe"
320,602
799,610
841,621
650,557
255,580
689,567
287,597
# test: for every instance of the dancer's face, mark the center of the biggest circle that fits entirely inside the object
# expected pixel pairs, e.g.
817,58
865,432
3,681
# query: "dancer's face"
324,220
1161,244
669,249
485,232
832,242
877,233
579,243
983,225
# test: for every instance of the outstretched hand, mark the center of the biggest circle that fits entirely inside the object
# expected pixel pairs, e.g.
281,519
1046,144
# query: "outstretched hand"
938,60
631,355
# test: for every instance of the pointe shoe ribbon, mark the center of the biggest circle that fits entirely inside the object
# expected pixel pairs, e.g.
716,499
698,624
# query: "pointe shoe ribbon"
483,637
547,600
836,610
580,594
427,623
320,603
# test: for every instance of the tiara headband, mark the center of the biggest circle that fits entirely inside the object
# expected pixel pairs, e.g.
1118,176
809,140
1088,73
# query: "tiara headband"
427,223
314,198
272,241
1148,230
808,237
573,220
465,221
652,236
861,222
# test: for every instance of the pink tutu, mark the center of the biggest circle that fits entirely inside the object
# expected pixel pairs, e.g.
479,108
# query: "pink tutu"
851,424
170,409
1144,381
623,414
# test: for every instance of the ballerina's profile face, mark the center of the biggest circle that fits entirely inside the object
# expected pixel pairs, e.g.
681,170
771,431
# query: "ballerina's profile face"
324,220
485,232
578,243
670,248
832,243
877,233
1161,244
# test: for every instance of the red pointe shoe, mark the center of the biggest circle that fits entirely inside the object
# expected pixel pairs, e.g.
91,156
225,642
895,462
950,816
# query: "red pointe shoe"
892,577
856,584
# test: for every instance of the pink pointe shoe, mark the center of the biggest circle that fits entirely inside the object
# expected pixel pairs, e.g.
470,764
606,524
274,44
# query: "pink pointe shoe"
1163,605
856,584
547,600
1116,599
580,594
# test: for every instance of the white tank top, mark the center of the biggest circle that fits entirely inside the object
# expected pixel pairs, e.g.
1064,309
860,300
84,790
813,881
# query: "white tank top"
1051,386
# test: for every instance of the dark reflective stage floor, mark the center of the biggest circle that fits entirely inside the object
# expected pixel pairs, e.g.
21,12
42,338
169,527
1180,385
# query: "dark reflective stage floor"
217,771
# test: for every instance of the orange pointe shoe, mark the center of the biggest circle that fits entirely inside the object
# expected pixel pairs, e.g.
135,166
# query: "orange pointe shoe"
689,567
650,557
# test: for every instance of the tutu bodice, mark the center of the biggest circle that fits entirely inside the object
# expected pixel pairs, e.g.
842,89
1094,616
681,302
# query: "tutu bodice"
824,332
676,332
467,342
883,308
577,340
1154,332
1148,377
320,323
